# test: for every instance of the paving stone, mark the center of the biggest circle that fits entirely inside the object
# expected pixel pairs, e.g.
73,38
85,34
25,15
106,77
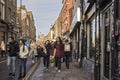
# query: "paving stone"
74,73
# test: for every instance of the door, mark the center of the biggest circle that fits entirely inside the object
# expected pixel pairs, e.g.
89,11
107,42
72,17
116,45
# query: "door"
107,39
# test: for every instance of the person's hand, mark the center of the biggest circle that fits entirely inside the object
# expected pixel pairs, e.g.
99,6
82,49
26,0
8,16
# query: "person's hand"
29,54
53,56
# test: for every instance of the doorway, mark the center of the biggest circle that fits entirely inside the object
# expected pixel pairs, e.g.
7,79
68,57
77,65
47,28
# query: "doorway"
107,21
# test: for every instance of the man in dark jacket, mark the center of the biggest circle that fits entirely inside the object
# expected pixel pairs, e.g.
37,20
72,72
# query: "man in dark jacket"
12,49
47,55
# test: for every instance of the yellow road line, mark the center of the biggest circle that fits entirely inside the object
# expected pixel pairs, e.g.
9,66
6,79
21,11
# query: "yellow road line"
3,61
31,71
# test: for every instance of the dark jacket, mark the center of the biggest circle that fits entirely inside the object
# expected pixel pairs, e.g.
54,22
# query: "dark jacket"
13,49
48,48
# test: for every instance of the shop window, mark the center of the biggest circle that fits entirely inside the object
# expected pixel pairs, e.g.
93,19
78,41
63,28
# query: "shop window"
94,38
2,10
85,4
2,36
14,2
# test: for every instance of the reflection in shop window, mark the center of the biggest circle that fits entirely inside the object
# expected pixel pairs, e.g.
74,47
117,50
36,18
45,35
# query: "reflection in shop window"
94,39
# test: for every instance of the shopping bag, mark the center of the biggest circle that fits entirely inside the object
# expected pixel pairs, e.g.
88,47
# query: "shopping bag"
52,61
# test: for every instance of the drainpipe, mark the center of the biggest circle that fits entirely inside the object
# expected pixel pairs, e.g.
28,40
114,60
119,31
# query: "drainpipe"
95,64
97,55
99,52
82,36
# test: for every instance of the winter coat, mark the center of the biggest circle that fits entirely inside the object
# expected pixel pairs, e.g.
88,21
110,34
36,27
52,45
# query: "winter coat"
13,49
48,49
59,50
23,54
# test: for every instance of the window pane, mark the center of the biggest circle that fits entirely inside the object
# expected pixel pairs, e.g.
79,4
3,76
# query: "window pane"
92,39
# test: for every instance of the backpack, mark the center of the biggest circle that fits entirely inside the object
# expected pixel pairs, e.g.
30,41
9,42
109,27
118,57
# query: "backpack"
27,44
67,47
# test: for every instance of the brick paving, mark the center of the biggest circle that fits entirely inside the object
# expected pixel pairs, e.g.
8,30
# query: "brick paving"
74,73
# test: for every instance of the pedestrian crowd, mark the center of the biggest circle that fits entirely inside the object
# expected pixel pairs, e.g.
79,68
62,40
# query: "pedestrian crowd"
53,54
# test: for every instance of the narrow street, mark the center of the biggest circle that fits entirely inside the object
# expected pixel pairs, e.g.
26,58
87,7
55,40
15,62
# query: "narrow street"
74,73
87,30
4,70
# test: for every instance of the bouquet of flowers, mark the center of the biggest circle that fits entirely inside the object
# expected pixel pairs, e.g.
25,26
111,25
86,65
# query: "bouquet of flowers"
52,61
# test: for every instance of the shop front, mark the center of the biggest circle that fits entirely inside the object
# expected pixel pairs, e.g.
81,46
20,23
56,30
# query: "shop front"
110,41
75,34
3,31
107,21
92,40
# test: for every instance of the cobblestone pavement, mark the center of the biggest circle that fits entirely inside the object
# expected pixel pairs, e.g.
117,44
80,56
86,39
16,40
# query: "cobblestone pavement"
73,73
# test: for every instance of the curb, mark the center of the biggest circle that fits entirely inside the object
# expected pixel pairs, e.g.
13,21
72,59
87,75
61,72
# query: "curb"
31,71
3,61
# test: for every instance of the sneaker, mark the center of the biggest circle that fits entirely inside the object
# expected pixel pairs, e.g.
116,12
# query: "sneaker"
46,69
33,61
59,71
10,74
23,76
56,68
13,76
19,77
67,67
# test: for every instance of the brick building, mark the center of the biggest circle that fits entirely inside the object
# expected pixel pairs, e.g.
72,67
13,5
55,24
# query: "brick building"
66,15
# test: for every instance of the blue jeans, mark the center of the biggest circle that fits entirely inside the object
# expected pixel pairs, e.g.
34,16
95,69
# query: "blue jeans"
33,56
11,64
58,62
22,66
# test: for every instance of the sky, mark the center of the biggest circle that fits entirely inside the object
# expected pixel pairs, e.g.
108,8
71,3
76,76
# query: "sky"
45,13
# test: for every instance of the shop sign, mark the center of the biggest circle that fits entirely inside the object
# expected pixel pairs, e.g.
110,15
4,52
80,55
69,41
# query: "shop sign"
76,18
85,5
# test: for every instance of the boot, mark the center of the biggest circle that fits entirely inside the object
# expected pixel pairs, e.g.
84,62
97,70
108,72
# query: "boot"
20,76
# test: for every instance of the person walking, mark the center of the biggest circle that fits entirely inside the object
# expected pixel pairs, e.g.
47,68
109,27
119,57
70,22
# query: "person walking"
31,53
22,59
67,52
58,53
12,49
47,54
35,52
3,49
42,50
39,52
